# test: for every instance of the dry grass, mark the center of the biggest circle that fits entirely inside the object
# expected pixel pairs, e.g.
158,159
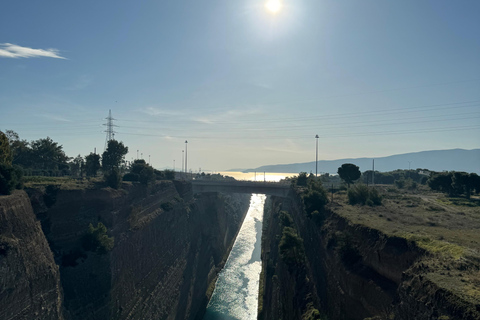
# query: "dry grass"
448,228
65,183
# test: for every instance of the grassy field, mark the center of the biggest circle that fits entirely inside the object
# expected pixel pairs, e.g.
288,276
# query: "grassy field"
449,228
65,183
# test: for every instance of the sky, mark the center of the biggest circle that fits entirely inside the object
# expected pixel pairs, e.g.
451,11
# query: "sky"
245,86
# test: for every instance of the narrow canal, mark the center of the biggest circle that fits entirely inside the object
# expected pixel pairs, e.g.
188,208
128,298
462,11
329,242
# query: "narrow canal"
236,291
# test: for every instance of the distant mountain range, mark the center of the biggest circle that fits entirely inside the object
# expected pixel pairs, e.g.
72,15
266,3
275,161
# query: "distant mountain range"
437,160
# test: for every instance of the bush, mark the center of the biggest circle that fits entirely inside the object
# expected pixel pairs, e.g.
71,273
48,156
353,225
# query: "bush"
10,178
147,175
312,314
285,219
302,179
400,184
96,239
113,179
169,174
291,248
315,200
361,194
167,206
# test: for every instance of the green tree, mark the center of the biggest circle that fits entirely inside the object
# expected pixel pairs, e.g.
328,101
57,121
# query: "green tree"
21,151
113,157
5,151
48,155
142,172
474,182
349,172
10,178
460,184
302,179
442,182
77,166
92,164
291,248
113,178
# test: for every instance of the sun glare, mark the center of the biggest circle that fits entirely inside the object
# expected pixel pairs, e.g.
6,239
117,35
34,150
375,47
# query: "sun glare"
273,6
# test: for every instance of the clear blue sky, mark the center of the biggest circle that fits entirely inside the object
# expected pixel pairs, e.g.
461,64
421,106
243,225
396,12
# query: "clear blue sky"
244,86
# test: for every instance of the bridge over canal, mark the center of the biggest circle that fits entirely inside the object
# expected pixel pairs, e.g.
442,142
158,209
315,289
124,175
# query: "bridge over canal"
269,188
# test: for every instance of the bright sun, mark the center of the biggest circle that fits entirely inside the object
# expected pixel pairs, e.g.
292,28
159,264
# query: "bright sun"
273,6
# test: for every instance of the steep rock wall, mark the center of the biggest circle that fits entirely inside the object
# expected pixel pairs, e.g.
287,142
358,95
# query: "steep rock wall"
168,248
356,272
29,278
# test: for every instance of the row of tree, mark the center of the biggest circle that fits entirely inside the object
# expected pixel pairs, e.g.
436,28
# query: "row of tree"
46,157
455,183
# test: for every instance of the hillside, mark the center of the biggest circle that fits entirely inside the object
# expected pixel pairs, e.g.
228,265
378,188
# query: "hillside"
437,160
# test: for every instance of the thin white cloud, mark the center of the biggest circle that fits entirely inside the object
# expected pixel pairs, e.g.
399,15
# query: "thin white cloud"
8,50
230,115
153,111
55,117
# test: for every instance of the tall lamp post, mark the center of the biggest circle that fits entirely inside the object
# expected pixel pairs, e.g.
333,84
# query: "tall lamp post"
186,156
316,156
183,159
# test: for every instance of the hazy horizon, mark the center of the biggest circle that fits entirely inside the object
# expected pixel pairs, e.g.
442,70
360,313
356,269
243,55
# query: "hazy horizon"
246,86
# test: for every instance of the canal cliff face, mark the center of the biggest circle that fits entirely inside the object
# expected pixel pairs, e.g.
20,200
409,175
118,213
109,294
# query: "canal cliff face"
168,249
349,271
29,278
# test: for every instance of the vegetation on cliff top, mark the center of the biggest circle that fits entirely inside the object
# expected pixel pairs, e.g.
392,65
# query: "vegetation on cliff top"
446,227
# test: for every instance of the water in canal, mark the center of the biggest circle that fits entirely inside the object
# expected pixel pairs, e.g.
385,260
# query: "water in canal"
236,291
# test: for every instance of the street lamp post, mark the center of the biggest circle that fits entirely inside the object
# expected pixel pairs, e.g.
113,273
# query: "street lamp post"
137,154
186,156
148,159
316,156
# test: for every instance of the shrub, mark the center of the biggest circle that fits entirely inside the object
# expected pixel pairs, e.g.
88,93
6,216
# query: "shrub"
312,314
361,194
147,175
113,179
315,200
97,240
169,174
291,248
10,178
167,206
400,184
302,179
285,219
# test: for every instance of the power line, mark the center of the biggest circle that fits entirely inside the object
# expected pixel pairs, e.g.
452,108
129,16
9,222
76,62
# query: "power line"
443,106
441,129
